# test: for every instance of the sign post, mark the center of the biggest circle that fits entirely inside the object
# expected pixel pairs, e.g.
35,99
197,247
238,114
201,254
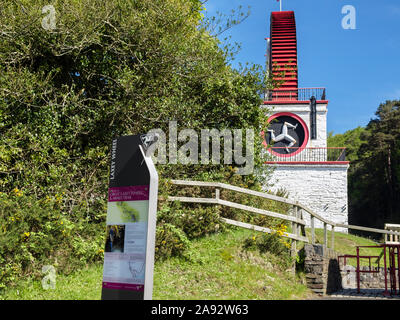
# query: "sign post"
131,220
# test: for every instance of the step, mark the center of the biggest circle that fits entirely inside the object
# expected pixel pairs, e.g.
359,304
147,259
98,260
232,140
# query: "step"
279,42
284,45
287,71
277,33
291,49
289,90
279,65
284,38
282,60
280,34
283,29
283,52
288,51
282,56
286,77
291,46
287,74
286,91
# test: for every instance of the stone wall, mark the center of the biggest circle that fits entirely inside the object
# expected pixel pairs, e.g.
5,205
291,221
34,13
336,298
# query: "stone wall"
322,188
322,269
324,274
367,280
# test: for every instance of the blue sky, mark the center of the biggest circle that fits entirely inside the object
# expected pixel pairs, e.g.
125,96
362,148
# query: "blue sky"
360,68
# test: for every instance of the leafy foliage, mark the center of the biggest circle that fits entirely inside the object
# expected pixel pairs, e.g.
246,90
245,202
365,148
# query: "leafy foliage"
273,243
170,241
351,139
35,232
374,174
109,68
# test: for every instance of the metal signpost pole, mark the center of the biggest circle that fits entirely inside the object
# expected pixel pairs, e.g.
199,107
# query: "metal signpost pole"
151,229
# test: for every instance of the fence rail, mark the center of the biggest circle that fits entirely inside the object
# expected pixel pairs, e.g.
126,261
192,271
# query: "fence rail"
295,217
310,154
389,238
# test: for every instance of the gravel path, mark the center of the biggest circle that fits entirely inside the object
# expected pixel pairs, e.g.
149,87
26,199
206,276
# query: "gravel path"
365,294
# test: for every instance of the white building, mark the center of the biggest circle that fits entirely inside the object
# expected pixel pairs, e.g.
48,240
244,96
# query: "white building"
305,167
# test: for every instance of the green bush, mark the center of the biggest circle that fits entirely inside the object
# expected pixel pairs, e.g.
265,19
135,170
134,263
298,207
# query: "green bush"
36,232
272,243
170,241
194,220
66,93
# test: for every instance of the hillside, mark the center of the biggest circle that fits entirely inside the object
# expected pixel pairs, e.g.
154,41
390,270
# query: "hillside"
219,268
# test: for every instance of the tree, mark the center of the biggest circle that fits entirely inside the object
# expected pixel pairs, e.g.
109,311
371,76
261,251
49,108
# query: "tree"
107,69
374,184
351,139
102,69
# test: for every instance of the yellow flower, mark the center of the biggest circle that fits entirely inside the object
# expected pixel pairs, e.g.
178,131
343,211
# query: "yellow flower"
27,234
17,192
163,242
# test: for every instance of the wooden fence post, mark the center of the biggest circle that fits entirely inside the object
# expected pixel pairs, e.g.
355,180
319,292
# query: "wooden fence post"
312,230
325,235
295,231
333,237
217,193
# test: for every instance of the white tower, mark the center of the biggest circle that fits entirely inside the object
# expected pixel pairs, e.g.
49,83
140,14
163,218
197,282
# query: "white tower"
305,167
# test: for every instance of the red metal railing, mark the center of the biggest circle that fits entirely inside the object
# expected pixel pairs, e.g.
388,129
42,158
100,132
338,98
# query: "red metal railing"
299,94
391,271
312,154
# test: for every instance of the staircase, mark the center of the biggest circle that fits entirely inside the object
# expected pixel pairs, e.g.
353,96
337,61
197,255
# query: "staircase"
284,55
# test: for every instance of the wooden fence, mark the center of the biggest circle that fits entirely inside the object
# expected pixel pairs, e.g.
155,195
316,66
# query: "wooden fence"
295,216
391,238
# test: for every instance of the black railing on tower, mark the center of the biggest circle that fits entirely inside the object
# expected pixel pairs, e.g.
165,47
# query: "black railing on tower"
299,94
311,154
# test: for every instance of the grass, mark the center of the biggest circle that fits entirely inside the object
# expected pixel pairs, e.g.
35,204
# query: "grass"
218,269
224,271
346,244
84,284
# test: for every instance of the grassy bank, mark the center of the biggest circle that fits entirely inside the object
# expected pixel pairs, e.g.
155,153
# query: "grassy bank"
346,244
222,270
217,269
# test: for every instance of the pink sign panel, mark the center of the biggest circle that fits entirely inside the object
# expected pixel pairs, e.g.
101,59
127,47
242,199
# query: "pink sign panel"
130,193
